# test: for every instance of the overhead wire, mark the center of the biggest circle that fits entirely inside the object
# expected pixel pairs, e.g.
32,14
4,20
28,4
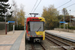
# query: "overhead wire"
34,5
57,7
64,4
37,5
70,5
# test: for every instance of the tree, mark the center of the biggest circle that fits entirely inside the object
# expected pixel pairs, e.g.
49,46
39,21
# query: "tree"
67,18
2,19
18,14
60,17
4,9
14,8
3,0
50,14
14,13
65,12
21,16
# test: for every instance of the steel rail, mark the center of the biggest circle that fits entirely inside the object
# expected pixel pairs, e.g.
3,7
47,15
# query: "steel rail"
54,41
42,46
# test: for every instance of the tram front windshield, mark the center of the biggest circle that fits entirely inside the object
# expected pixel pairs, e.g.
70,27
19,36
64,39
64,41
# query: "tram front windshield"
36,26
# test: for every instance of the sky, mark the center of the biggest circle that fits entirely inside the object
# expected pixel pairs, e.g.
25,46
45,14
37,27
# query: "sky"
29,4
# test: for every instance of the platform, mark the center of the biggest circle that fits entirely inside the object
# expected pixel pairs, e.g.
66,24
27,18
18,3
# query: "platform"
61,34
13,41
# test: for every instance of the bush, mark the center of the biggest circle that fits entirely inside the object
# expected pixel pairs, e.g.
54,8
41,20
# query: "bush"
69,27
62,26
19,27
10,27
73,27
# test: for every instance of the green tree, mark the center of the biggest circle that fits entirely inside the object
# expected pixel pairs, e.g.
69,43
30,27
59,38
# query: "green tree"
50,14
60,17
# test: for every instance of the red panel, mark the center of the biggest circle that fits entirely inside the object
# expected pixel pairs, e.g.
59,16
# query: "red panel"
31,19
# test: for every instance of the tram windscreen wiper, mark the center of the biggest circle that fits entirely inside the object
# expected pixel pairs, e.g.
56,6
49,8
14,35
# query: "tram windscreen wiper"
39,29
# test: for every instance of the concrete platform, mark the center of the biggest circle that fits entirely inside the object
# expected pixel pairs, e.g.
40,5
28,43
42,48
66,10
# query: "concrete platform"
61,34
13,41
2,32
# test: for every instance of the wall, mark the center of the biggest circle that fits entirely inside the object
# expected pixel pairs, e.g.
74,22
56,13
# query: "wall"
2,28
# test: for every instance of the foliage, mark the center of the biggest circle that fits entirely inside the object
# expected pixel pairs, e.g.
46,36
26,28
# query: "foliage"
60,17
73,27
69,27
21,17
18,14
3,9
2,19
11,19
10,27
67,18
62,26
50,14
20,27
3,0
65,12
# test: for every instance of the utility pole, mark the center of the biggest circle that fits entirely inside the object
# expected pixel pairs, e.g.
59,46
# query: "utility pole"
64,19
5,25
70,17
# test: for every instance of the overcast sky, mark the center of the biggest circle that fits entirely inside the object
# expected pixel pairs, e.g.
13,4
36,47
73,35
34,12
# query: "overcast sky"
29,4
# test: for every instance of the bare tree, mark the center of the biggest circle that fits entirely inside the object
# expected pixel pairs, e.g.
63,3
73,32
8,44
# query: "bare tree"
65,12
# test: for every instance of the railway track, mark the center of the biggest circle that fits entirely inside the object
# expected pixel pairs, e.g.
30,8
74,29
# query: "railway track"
34,46
50,43
59,43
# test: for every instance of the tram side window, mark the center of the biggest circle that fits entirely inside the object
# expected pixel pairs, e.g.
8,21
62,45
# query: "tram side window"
43,26
28,26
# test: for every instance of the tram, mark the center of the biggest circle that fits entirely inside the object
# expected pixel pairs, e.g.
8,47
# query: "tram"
35,29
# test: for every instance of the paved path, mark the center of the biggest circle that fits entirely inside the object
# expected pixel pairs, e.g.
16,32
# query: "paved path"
66,35
2,32
8,41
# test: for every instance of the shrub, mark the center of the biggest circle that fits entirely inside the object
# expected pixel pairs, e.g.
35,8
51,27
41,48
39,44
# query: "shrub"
19,27
69,27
